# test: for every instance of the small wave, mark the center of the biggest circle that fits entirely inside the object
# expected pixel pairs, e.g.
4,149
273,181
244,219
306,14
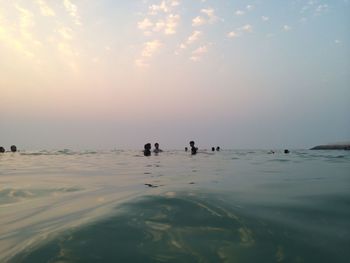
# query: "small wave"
280,160
12,195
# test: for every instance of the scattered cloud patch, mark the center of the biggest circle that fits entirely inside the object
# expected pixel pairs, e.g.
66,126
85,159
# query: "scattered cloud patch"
320,9
248,28
314,7
44,8
66,33
150,48
194,37
208,17
239,13
171,24
148,51
198,21
232,34
249,7
144,24
265,18
286,28
162,7
198,53
72,10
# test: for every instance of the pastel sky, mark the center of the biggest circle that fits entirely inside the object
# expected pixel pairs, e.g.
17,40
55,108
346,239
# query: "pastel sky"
104,74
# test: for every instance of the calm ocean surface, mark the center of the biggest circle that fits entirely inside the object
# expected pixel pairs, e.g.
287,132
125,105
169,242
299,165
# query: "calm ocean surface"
231,206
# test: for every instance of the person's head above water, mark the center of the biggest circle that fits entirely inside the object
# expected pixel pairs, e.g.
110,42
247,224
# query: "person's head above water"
157,150
2,149
286,151
147,150
186,149
148,146
193,148
13,148
218,148
213,149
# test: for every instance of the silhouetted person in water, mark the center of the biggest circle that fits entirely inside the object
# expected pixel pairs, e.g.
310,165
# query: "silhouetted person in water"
193,148
186,149
218,149
157,150
286,151
147,150
213,149
13,148
2,149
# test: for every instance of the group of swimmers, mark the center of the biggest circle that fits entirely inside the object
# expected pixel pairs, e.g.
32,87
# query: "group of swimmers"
147,150
194,149
13,149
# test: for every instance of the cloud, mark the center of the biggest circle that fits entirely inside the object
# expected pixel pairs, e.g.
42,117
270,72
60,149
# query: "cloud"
208,17
175,3
239,31
321,9
286,28
144,24
211,15
26,25
249,7
233,34
150,48
69,56
198,21
199,52
72,11
314,8
44,8
167,20
194,37
7,38
265,18
66,33
171,24
239,13
155,9
168,26
191,39
247,28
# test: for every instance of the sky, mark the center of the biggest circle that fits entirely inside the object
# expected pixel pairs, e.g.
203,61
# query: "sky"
110,74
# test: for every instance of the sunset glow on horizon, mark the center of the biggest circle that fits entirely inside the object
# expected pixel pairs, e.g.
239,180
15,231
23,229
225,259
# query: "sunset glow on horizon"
118,73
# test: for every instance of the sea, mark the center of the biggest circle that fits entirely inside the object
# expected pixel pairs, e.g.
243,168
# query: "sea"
227,206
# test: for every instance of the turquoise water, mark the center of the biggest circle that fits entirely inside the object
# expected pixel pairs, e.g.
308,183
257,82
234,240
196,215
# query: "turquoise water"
231,206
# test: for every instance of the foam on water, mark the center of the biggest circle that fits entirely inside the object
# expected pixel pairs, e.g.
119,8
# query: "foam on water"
231,206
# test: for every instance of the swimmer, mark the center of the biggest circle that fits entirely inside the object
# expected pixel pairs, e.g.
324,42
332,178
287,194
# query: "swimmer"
218,149
2,149
213,149
286,151
186,149
193,148
147,150
157,150
13,148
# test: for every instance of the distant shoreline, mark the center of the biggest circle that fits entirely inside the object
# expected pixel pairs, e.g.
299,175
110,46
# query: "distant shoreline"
332,147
